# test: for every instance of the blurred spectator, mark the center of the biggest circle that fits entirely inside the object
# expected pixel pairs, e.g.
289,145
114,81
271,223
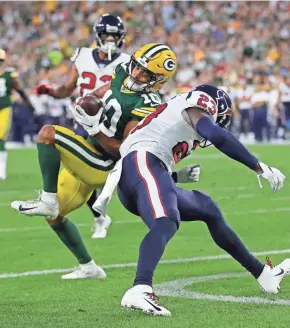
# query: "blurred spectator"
215,41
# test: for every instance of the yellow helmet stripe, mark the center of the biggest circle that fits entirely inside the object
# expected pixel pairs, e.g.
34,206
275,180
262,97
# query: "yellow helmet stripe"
154,51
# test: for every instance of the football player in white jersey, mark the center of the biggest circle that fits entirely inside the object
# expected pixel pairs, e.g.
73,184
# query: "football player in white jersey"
146,188
284,98
91,70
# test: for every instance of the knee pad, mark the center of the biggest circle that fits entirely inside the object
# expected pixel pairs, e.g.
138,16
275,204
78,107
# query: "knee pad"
213,209
175,220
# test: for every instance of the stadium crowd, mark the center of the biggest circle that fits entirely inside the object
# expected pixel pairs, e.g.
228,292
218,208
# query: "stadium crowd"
243,46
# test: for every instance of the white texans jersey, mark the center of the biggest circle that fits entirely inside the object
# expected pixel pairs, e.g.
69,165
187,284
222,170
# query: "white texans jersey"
244,97
168,133
94,73
285,93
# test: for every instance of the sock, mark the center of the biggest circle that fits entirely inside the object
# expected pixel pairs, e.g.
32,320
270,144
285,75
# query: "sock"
71,237
227,239
49,162
49,197
91,202
152,249
3,164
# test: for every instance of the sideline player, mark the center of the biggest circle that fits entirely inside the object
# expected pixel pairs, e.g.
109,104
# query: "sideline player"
146,188
8,82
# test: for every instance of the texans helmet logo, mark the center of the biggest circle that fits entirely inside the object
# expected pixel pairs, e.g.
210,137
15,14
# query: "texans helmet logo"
224,103
169,64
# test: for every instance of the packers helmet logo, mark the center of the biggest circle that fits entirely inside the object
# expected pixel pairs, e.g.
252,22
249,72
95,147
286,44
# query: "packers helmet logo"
169,64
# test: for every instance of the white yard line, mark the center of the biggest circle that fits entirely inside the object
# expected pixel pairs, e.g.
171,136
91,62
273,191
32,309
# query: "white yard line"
132,221
176,288
131,265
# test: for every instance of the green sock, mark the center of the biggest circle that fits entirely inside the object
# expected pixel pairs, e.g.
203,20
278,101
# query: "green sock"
71,237
49,162
2,145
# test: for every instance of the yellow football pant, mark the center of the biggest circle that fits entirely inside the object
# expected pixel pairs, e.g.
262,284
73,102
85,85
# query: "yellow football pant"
85,169
5,122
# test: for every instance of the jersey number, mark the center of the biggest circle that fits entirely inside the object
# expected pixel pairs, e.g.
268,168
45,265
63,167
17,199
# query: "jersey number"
113,113
203,102
149,118
181,150
92,81
3,87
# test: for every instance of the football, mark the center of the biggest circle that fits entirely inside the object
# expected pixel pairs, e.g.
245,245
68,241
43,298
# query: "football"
90,104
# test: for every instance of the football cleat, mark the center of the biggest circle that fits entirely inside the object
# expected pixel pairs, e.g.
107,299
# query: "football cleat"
100,227
270,278
36,207
85,271
141,297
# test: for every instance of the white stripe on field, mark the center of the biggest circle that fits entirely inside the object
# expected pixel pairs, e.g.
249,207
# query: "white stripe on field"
176,288
131,221
131,265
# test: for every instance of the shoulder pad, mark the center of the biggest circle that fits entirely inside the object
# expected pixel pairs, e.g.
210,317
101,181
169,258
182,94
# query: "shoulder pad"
75,54
203,101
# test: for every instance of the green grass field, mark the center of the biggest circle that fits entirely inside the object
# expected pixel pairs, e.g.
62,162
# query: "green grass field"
193,284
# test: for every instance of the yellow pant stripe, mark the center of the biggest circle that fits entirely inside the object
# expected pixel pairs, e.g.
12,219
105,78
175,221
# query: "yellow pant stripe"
5,122
82,152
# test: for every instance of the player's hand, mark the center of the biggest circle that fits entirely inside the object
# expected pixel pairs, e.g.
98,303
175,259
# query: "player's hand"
274,176
189,173
89,123
43,89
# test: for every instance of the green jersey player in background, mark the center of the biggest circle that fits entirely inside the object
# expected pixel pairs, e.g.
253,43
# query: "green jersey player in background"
8,83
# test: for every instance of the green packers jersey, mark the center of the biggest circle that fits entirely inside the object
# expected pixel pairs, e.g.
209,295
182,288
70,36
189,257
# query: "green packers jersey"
6,87
122,105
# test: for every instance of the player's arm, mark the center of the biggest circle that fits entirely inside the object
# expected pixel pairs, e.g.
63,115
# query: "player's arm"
227,143
100,92
112,145
17,87
222,139
63,91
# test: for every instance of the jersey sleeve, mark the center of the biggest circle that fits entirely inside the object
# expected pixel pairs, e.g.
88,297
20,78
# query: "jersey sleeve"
146,105
203,101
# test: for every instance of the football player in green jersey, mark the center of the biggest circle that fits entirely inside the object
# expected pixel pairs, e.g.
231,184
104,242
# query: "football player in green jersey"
8,83
131,96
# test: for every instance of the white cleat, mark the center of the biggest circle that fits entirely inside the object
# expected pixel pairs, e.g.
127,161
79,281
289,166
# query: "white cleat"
141,297
85,271
101,225
36,207
270,278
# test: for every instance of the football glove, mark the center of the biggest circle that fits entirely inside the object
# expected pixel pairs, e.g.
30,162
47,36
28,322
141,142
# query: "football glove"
89,123
189,173
43,89
274,176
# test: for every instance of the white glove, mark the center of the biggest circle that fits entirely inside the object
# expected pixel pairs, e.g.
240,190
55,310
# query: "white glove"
189,173
274,176
89,123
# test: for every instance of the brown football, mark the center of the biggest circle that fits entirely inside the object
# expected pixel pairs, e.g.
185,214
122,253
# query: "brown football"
90,104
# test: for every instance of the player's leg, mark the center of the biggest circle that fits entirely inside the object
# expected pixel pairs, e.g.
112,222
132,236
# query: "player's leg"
5,123
198,206
55,145
72,194
146,186
101,222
